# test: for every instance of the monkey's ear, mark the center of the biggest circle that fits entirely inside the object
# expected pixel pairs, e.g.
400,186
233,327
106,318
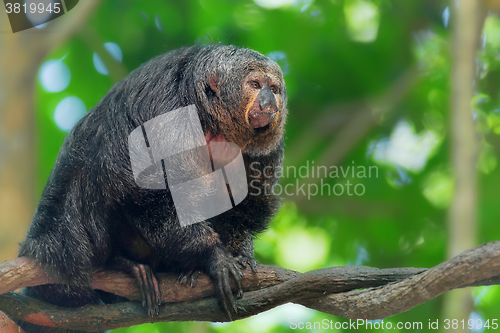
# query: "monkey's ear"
213,81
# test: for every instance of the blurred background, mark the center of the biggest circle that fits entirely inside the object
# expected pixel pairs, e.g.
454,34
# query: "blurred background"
369,88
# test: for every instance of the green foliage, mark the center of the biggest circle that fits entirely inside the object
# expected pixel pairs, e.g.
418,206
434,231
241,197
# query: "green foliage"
337,54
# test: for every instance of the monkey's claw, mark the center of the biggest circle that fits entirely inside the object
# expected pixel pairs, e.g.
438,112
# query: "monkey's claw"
224,267
190,278
245,261
150,290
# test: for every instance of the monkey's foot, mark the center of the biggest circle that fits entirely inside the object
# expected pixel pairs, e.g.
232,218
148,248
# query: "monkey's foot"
222,267
190,277
150,290
245,261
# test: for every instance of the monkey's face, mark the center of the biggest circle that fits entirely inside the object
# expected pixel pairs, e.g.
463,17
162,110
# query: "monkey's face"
263,106
248,100
261,113
263,94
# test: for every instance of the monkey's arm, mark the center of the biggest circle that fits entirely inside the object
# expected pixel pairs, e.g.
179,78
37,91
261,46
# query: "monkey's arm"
216,261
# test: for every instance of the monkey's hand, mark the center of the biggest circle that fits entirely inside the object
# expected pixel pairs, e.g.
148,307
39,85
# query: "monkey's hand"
150,291
245,261
190,277
146,281
222,266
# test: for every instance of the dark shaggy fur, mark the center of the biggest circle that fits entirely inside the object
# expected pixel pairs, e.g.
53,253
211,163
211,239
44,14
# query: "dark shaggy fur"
92,213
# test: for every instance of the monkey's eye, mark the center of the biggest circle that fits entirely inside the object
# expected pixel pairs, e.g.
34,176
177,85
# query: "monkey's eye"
255,84
274,89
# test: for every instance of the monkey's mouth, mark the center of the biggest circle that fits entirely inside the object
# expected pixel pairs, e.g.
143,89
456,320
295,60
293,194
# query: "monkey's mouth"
260,130
261,121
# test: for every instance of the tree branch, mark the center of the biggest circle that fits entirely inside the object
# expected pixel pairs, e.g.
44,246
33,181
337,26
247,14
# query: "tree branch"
331,290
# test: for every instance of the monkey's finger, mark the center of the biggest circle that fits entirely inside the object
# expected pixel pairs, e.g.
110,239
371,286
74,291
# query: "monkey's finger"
227,289
242,261
194,278
241,308
253,266
219,286
150,296
183,277
150,287
189,278
147,284
154,291
237,275
138,276
247,261
157,291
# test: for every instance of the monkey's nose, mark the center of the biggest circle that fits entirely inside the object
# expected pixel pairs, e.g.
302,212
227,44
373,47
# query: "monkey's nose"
267,100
